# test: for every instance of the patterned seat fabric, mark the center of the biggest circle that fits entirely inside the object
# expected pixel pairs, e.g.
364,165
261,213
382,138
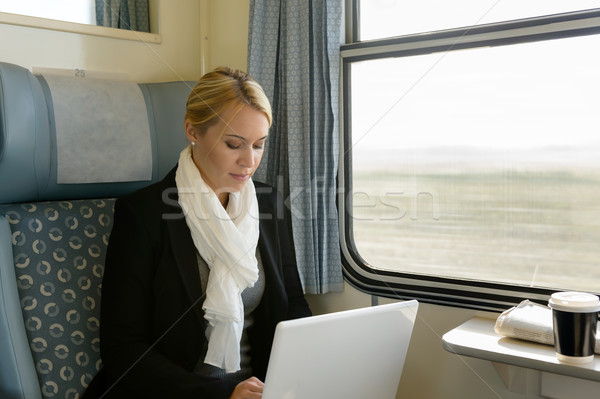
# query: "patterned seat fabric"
59,250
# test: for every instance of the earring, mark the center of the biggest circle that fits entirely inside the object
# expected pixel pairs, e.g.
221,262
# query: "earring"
193,143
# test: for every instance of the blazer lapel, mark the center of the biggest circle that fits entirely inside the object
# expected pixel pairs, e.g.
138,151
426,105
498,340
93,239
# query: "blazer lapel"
184,250
271,257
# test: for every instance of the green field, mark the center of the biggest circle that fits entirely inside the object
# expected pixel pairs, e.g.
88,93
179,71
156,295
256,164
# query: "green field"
534,228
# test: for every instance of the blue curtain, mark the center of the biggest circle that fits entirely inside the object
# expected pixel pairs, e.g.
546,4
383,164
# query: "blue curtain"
123,14
293,51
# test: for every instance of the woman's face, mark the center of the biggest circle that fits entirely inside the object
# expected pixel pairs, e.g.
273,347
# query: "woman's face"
228,152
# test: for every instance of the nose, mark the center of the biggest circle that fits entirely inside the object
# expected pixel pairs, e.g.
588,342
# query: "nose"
248,157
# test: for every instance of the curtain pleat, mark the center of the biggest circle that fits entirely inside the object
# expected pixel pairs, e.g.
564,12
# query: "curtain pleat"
293,51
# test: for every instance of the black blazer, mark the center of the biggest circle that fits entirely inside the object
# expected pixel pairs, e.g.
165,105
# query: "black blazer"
152,322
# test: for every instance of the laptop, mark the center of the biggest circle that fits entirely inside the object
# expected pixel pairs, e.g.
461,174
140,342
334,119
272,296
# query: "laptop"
354,354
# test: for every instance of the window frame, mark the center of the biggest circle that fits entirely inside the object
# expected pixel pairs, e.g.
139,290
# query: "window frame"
472,294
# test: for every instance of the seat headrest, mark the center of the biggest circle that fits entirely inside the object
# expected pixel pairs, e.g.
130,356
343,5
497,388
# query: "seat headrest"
71,137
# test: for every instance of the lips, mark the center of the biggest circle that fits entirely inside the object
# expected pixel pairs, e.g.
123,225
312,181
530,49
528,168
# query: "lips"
240,178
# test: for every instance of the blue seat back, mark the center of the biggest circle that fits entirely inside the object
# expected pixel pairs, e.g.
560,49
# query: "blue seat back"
58,252
53,236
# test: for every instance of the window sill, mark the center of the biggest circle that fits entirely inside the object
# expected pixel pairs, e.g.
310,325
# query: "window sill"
72,27
514,359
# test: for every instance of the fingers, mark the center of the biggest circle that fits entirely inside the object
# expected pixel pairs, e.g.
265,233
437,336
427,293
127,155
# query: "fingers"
251,388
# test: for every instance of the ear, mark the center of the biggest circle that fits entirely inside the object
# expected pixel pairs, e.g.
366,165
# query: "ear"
190,131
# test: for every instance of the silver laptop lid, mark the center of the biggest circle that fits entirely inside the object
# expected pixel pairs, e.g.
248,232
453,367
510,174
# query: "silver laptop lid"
354,354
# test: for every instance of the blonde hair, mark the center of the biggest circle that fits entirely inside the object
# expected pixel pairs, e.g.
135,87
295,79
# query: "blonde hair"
219,89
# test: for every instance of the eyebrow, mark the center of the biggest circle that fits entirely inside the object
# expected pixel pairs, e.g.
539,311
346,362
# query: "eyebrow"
243,138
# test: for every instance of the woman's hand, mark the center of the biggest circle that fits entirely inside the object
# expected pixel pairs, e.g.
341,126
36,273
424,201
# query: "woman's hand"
248,389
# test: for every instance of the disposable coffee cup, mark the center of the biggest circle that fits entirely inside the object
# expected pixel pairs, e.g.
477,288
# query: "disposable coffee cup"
575,319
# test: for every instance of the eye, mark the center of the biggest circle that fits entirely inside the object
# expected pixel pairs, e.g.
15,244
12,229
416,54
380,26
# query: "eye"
259,145
233,146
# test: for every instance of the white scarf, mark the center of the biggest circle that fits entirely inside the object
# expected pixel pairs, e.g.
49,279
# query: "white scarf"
226,240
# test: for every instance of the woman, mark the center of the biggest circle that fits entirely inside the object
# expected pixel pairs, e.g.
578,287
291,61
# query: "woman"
195,279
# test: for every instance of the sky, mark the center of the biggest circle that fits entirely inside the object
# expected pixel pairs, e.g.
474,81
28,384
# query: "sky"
520,96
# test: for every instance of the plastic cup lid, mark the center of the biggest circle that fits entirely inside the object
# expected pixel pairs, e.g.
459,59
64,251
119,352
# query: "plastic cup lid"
571,301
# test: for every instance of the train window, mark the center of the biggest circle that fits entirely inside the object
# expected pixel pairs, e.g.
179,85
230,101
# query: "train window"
378,19
471,160
83,12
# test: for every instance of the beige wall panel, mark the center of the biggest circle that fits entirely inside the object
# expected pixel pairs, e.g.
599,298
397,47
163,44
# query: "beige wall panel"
177,57
229,33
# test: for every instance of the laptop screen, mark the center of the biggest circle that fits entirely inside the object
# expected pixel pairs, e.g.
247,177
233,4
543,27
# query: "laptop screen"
354,354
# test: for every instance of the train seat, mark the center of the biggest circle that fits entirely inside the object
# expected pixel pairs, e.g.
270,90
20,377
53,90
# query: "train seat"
68,147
